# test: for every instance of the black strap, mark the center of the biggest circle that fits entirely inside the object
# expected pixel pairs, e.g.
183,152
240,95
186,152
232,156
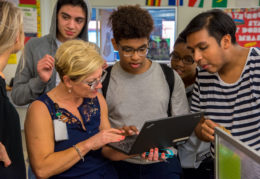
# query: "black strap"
169,76
106,81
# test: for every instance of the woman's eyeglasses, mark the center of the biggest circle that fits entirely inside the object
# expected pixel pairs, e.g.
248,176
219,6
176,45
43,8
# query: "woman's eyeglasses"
93,84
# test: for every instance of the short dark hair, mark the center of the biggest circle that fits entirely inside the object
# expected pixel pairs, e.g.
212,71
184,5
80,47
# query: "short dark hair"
80,3
216,22
179,40
130,22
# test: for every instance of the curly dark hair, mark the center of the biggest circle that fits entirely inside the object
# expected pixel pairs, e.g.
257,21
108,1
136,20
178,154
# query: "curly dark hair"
130,22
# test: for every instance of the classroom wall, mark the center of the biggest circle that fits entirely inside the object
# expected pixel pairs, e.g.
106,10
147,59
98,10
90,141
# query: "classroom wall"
184,15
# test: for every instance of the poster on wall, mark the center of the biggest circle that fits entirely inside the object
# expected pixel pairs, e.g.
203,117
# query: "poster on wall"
29,19
29,10
248,25
107,49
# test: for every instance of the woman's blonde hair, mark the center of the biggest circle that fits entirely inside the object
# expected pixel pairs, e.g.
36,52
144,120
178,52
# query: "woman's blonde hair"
11,25
77,59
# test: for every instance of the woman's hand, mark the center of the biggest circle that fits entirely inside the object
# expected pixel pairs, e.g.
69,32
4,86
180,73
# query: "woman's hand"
129,130
4,156
154,155
106,136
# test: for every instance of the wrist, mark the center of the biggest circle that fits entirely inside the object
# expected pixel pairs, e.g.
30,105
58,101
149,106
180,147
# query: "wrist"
84,146
79,152
198,131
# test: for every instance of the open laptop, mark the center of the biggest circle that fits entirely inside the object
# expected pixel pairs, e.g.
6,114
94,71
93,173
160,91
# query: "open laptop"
161,133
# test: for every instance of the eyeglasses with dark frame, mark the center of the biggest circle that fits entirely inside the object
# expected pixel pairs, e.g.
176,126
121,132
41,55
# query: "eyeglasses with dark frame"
93,84
128,51
187,60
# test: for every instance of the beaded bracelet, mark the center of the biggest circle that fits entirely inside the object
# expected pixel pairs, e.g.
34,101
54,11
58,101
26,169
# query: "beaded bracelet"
78,151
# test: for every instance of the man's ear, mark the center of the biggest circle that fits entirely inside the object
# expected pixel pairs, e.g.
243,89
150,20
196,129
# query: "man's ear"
226,41
114,44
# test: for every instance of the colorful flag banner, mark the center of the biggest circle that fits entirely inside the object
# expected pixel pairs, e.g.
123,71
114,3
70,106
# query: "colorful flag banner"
196,3
33,2
153,2
175,2
219,3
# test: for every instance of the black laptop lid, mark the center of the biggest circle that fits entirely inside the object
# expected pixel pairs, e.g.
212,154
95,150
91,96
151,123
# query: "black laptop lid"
165,132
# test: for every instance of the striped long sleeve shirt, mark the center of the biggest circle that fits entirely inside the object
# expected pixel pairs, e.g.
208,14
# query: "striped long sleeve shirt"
235,106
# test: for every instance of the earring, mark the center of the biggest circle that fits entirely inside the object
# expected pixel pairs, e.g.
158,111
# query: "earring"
69,90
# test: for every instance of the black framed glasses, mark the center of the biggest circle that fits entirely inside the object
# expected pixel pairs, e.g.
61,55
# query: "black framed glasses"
93,84
128,51
187,59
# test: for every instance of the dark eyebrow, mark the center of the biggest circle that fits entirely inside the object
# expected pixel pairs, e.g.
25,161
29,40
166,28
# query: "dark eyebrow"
64,13
197,45
80,18
142,46
190,48
174,52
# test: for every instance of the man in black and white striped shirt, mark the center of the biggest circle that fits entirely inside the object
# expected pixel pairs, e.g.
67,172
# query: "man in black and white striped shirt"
227,88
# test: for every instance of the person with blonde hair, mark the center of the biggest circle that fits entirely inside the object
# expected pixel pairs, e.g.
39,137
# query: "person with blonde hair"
11,41
67,128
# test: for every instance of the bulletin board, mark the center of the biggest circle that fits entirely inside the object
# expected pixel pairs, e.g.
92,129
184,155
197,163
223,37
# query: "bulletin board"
248,25
32,18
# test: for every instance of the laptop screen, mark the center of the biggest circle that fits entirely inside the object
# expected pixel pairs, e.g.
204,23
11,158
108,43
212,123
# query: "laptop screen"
234,159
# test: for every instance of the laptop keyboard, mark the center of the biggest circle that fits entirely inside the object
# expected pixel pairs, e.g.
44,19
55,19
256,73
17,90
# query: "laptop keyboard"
126,144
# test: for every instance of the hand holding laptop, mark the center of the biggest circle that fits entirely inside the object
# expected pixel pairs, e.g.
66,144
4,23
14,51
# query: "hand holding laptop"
154,154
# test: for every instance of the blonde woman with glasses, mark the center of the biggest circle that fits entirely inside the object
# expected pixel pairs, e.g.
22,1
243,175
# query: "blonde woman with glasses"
67,128
11,41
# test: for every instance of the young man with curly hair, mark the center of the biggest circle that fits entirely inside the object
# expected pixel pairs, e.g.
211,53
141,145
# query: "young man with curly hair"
138,91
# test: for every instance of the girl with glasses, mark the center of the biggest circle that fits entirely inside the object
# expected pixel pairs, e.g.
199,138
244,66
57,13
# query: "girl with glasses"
182,62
